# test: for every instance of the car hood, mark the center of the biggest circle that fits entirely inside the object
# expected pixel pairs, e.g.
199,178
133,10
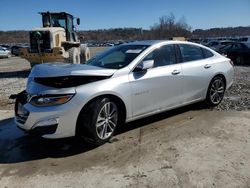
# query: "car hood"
63,69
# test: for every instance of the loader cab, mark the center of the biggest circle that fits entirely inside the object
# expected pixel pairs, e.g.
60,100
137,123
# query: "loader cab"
61,19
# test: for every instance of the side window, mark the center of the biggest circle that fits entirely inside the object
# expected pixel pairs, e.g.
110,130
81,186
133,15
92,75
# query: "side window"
162,56
207,53
190,52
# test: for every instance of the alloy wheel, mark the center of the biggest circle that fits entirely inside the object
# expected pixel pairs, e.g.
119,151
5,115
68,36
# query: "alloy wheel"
217,91
107,120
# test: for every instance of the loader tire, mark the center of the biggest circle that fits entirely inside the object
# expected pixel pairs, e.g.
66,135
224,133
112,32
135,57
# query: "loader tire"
74,56
85,53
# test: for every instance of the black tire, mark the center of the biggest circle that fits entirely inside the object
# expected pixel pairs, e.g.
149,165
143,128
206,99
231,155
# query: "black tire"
215,92
93,124
74,56
85,53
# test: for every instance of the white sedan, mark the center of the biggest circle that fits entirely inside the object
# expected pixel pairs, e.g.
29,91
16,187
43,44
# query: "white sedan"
4,52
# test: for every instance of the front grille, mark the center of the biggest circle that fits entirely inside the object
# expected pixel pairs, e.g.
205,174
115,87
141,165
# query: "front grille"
20,112
42,38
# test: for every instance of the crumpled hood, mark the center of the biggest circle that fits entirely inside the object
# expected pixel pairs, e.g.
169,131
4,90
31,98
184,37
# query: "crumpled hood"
63,69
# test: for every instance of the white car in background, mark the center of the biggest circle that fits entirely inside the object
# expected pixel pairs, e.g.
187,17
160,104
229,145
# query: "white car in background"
4,52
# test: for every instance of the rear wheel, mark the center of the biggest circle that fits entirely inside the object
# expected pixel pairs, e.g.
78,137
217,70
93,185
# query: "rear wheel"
216,91
74,56
98,121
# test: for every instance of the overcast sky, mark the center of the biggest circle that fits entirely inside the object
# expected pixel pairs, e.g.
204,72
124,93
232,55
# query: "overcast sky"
104,14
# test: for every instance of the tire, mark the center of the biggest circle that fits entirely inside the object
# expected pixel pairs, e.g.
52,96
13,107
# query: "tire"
98,121
74,56
215,92
85,53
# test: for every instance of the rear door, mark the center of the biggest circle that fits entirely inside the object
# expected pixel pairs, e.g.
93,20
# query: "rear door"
197,68
159,87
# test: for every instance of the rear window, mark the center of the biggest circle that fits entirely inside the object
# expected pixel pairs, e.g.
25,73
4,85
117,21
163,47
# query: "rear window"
207,53
190,52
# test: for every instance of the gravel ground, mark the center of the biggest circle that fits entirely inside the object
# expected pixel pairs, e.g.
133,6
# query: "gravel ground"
238,96
13,76
14,72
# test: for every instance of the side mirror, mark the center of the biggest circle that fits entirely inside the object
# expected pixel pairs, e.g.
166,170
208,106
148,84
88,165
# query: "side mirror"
144,65
78,21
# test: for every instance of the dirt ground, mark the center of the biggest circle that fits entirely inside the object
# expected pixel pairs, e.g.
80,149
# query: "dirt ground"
186,147
181,148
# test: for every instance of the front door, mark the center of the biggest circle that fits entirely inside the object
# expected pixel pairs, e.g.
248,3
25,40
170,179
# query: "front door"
159,87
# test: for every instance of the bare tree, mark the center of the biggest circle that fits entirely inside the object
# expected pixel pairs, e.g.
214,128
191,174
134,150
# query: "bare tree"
168,27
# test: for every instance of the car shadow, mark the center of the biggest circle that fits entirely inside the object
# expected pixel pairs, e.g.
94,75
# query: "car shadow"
15,74
16,146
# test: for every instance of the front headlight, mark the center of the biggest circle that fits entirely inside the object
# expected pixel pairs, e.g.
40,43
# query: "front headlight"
50,100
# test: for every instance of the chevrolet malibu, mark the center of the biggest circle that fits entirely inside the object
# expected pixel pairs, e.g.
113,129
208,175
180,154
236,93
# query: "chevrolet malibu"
122,84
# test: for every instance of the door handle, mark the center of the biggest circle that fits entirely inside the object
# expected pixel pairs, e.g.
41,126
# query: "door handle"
175,72
207,66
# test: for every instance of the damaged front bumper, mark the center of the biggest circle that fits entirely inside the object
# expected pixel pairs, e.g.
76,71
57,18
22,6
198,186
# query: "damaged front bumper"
49,122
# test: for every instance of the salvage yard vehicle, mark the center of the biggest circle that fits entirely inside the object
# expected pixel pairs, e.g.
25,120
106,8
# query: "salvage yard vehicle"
4,52
122,84
56,41
245,39
239,52
217,44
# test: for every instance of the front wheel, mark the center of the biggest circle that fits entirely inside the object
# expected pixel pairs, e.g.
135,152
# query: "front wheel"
216,91
98,121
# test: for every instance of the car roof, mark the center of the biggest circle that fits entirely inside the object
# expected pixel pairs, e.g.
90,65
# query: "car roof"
153,42
146,42
159,42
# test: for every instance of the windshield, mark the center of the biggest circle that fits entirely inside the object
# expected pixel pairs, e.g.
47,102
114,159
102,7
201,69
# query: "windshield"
117,57
57,20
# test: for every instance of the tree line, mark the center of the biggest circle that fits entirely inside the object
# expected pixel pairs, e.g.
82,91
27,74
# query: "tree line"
166,28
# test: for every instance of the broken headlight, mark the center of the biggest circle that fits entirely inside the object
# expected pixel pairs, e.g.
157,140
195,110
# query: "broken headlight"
50,100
